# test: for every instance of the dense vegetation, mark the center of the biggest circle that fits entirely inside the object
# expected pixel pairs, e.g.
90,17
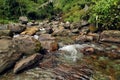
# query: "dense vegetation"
105,13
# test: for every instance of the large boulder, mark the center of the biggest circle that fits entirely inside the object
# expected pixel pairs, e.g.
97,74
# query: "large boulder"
24,63
26,44
8,60
8,54
110,36
16,28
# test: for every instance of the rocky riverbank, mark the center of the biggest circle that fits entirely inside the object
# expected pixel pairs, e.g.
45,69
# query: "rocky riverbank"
55,50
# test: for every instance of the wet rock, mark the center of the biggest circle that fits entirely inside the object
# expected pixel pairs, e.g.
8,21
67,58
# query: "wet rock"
30,31
26,44
16,28
5,33
110,36
23,20
7,60
24,63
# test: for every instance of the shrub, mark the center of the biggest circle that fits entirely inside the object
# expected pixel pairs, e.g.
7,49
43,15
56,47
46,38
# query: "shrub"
106,14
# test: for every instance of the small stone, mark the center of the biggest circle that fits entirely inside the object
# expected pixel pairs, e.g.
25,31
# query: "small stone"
23,20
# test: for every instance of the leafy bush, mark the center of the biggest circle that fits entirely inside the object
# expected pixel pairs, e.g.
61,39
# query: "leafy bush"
106,14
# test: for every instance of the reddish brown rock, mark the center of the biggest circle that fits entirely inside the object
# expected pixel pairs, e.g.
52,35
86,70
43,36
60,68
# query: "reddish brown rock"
48,42
49,45
88,50
22,64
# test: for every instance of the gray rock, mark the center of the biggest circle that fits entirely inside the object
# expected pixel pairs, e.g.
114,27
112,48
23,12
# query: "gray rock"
67,25
16,28
26,44
7,60
3,27
8,54
23,20
5,33
75,31
24,63
5,44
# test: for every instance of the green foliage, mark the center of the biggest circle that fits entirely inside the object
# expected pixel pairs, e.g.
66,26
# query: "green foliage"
72,9
106,13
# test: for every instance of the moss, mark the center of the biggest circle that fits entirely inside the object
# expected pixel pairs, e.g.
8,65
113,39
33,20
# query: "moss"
38,46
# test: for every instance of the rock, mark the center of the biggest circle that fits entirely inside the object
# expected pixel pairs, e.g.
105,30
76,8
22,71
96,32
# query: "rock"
110,36
7,60
49,45
5,44
88,50
48,42
75,31
95,36
84,38
16,28
5,33
23,20
84,23
49,30
84,30
76,25
44,37
29,24
30,31
27,62
3,27
26,44
67,25
61,32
